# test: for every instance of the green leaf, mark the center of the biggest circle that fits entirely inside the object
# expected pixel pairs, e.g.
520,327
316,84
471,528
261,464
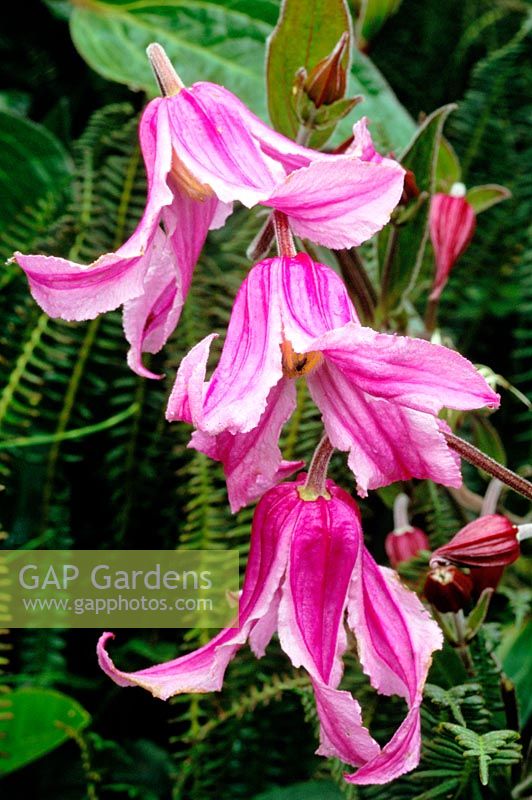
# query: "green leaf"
496,748
218,41
402,248
518,666
392,127
448,170
307,31
309,790
372,16
33,165
483,197
40,720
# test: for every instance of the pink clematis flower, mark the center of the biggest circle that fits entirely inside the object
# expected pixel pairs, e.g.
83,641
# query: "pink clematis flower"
203,150
379,394
307,571
452,223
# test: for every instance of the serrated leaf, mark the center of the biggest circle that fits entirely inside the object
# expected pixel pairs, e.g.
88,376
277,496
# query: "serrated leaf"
372,16
39,722
401,249
483,197
33,165
307,31
217,41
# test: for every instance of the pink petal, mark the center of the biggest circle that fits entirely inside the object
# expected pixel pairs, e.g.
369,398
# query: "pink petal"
386,441
72,291
342,734
281,299
362,145
396,639
212,140
325,543
272,144
452,223
252,461
151,318
341,202
203,670
412,372
187,397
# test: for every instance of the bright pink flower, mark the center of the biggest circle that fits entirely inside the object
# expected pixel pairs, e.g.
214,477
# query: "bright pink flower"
203,150
307,569
379,394
452,223
403,544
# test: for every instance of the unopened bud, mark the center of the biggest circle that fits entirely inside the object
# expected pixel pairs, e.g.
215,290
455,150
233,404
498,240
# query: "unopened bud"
448,589
405,543
489,541
327,81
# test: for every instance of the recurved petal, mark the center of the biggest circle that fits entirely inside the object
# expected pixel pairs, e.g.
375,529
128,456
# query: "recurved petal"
203,670
252,461
396,638
187,396
405,370
341,202
73,291
342,734
386,441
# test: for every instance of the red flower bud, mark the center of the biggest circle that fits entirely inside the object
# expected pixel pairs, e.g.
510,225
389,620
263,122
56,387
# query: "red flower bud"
326,82
410,189
452,222
448,589
405,543
485,578
489,541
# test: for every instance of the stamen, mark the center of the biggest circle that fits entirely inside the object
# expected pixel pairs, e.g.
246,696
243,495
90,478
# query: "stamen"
295,365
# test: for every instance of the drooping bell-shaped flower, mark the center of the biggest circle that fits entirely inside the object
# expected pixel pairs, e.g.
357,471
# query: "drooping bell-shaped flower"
448,589
452,223
308,572
379,394
203,150
405,541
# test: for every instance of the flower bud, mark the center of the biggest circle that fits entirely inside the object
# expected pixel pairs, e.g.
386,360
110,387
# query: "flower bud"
448,589
489,541
327,81
452,223
405,543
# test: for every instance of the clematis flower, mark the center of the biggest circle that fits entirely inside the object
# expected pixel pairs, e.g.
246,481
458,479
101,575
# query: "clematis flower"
452,223
307,571
203,150
405,541
379,394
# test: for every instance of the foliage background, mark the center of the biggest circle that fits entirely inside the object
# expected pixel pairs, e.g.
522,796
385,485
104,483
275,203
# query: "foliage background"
71,182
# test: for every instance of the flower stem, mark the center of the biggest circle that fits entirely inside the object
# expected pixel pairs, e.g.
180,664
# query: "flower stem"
491,498
431,315
261,244
283,234
358,283
315,485
169,81
475,456
400,513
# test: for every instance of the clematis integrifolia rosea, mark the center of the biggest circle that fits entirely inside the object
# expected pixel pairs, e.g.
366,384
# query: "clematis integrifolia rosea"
379,394
308,572
203,150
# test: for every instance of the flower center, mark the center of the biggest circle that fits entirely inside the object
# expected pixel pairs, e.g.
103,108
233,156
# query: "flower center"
186,181
295,365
